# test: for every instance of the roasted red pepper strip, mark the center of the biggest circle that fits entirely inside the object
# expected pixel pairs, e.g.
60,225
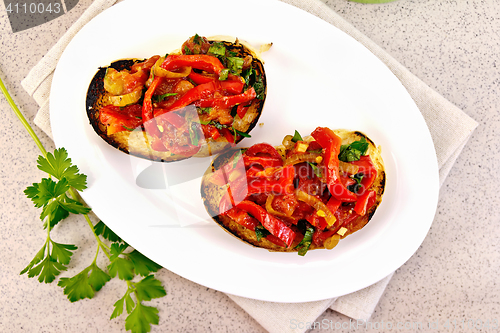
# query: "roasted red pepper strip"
275,226
228,101
230,86
260,149
283,185
228,135
201,78
365,201
199,61
172,117
320,236
264,161
331,143
202,91
120,119
210,131
368,170
241,217
241,111
147,108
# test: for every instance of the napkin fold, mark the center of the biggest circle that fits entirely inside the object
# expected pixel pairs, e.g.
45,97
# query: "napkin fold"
450,129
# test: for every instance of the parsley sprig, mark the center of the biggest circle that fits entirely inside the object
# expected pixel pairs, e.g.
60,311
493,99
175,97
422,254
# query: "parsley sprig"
57,198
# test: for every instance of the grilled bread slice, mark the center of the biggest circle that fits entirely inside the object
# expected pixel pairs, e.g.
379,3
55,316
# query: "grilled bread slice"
206,130
243,225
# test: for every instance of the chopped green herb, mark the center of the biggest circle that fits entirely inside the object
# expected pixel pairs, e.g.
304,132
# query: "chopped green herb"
236,158
101,229
358,177
187,51
261,232
297,137
217,49
235,64
305,243
197,39
253,80
316,170
203,110
84,285
259,87
223,74
353,151
217,125
193,134
127,128
358,186
159,98
243,134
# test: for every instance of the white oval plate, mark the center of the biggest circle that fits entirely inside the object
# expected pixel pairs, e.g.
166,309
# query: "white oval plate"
317,76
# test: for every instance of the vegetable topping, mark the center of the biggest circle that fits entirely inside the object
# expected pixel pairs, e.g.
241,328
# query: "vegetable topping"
219,82
307,192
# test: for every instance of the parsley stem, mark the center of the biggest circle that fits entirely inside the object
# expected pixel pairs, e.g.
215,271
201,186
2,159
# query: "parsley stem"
22,118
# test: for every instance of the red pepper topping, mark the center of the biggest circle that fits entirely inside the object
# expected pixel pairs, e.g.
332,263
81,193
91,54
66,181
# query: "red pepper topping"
210,131
263,149
368,170
202,91
199,61
276,227
120,119
331,143
147,108
227,101
241,217
365,201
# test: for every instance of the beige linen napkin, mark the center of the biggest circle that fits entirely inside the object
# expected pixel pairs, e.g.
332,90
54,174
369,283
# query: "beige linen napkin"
450,130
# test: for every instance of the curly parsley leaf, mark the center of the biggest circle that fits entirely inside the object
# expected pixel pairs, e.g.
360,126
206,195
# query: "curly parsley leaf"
98,278
47,270
48,264
149,288
84,285
142,265
117,249
62,252
59,165
354,151
101,229
141,318
51,195
123,267
77,287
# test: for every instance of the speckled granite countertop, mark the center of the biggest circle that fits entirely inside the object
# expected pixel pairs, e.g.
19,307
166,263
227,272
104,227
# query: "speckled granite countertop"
453,46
